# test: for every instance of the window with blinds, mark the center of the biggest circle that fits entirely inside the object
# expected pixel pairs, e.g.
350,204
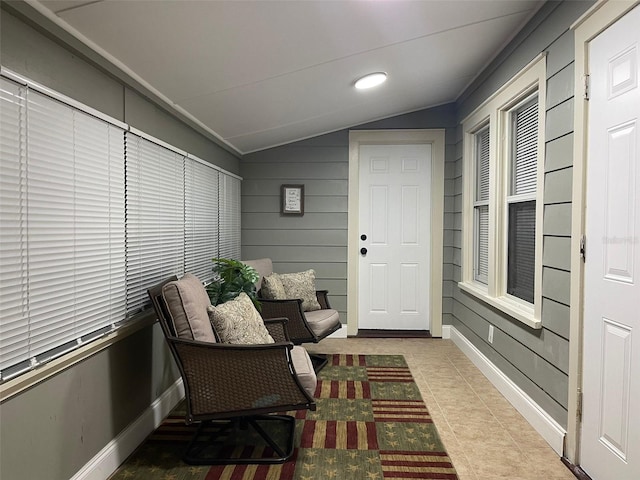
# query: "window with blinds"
501,255
521,201
229,217
63,257
201,218
154,216
481,207
14,316
92,215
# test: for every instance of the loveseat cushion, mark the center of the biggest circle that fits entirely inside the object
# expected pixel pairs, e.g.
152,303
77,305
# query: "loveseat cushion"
237,321
187,303
323,321
304,369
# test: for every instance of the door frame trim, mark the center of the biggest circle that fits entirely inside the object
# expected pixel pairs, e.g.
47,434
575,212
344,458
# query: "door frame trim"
597,19
435,137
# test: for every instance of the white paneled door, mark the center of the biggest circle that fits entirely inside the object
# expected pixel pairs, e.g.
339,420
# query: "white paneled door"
611,380
395,219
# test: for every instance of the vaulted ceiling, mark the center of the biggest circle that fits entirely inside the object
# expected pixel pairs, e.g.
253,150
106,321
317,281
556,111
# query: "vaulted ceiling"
261,73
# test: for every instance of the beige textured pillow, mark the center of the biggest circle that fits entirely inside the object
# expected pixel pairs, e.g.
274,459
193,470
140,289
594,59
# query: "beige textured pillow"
301,285
237,321
272,288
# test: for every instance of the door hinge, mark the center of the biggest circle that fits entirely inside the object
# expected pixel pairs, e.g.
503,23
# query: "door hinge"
586,86
583,249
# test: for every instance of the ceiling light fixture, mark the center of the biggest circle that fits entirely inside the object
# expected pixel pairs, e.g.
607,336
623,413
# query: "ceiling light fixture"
371,80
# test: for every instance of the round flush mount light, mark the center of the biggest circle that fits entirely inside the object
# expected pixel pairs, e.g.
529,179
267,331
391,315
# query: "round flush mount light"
371,80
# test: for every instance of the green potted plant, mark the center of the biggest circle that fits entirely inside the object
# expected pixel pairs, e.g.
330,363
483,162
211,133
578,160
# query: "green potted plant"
231,278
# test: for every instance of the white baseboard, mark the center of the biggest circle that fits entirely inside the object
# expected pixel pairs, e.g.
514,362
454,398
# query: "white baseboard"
446,332
342,333
540,420
117,450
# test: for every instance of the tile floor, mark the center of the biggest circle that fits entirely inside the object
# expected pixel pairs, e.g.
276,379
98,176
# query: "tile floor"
487,439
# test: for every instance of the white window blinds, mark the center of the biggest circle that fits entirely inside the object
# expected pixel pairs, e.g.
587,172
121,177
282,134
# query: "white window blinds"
230,227
71,227
481,207
154,217
525,149
201,218
14,326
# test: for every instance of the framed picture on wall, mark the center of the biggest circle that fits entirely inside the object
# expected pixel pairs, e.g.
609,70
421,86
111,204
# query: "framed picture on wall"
292,199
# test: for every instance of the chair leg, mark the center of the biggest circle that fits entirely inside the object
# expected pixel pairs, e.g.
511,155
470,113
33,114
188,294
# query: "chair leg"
319,361
220,442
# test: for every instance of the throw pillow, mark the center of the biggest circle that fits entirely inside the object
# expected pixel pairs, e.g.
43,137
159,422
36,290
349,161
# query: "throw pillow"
272,288
237,321
301,285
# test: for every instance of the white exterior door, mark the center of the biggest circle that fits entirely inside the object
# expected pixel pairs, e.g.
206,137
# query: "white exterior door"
610,441
395,219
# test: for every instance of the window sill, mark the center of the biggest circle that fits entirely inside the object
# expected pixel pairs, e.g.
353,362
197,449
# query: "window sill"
510,307
29,379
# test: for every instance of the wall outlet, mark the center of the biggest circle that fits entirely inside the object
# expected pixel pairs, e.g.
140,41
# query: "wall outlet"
490,334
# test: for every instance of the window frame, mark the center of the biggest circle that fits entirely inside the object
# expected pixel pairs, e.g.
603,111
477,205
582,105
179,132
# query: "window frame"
496,112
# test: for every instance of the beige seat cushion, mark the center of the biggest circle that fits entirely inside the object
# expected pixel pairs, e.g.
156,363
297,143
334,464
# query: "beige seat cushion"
237,321
187,302
304,369
322,321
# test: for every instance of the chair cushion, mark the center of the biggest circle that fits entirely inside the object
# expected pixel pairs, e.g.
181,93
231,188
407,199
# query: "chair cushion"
301,285
187,302
304,369
322,321
263,266
272,288
238,321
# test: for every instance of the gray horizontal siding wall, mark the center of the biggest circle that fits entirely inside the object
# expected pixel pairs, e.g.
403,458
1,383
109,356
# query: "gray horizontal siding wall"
318,239
536,360
55,428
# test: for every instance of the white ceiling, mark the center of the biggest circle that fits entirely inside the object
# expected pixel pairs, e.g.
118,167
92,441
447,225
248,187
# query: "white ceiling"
262,73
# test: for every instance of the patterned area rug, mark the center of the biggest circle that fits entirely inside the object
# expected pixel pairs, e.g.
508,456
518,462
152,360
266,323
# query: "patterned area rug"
370,424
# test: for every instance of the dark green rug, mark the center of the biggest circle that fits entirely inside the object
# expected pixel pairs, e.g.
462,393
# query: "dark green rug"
370,424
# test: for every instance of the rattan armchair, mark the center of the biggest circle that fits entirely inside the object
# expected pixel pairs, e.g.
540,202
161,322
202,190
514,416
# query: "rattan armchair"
303,327
231,389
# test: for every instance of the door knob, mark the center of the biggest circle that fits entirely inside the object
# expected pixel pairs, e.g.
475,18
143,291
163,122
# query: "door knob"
363,251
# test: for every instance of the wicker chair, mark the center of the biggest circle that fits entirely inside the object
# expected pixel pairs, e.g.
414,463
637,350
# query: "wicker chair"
304,327
231,389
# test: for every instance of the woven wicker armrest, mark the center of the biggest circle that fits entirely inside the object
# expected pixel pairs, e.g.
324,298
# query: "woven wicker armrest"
292,309
323,299
223,380
278,328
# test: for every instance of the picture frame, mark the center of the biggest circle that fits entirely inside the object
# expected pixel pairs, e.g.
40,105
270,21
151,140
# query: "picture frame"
292,199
